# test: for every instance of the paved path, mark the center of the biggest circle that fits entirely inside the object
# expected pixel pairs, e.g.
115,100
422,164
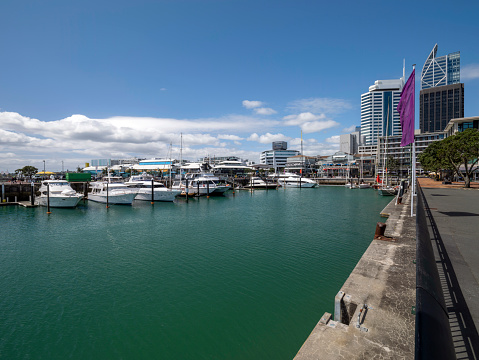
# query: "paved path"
454,225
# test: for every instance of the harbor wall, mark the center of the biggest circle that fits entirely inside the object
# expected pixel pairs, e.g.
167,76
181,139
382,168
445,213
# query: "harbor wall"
373,313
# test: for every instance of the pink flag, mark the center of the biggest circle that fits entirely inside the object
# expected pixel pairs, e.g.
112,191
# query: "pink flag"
406,110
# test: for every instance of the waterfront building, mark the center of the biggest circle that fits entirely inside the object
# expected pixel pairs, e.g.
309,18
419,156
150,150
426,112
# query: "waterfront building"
277,158
390,147
160,165
442,94
379,115
300,164
461,124
340,164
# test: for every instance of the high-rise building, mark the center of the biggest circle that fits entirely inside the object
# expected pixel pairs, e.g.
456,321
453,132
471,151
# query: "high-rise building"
379,115
442,95
438,105
442,70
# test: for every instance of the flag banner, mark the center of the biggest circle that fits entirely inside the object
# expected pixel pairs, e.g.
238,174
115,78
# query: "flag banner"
406,110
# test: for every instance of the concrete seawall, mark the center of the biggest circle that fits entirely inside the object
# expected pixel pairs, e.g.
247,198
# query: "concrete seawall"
373,311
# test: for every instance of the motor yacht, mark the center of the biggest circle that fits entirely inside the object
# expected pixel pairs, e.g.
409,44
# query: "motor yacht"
111,190
59,194
294,180
256,183
207,184
143,184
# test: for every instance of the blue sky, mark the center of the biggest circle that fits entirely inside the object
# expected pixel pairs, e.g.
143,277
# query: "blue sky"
82,80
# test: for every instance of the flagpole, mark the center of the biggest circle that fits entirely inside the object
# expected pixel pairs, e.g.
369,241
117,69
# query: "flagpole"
413,168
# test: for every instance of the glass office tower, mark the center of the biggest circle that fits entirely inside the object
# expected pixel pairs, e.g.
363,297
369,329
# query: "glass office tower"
442,95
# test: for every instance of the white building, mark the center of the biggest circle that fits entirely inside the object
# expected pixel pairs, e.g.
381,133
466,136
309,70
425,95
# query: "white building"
277,158
379,115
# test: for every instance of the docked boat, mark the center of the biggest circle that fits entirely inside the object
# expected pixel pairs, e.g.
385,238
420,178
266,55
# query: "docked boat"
180,185
294,180
143,184
387,191
364,186
257,183
59,194
113,191
207,184
351,186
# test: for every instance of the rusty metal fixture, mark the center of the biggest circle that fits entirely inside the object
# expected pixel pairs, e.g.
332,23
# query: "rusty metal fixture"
380,229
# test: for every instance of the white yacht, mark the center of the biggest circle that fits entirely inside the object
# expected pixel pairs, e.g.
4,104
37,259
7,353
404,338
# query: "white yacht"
61,194
207,183
116,191
143,184
294,180
351,185
180,185
256,182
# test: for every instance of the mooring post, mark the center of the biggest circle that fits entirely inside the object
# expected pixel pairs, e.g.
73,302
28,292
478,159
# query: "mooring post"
186,189
152,192
3,192
48,198
32,192
380,230
337,306
207,190
107,200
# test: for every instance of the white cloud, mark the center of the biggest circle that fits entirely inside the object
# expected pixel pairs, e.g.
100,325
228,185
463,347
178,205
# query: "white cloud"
302,118
251,104
320,105
317,126
265,111
333,139
267,138
229,137
470,72
349,129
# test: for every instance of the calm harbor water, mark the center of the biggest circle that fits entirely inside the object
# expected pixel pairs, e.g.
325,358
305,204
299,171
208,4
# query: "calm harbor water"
236,277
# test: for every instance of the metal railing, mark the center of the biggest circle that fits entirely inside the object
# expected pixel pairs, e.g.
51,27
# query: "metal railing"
433,334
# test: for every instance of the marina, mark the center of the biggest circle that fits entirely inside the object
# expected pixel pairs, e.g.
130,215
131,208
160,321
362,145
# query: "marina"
241,276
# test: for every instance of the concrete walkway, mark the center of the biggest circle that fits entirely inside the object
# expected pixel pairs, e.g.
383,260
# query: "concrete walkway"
454,227
373,316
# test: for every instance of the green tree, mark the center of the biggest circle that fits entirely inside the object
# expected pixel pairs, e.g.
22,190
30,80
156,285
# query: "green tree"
28,171
453,153
433,158
392,164
462,149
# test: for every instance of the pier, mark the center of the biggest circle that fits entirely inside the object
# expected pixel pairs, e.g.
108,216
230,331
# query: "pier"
402,304
374,309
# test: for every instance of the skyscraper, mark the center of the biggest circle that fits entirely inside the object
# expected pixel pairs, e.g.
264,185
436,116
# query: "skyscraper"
440,71
442,95
379,115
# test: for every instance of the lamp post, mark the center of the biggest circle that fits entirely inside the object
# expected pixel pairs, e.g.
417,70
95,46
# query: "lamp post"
43,169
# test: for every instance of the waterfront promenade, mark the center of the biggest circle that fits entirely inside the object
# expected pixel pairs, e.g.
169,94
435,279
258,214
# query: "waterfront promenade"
383,283
373,315
453,220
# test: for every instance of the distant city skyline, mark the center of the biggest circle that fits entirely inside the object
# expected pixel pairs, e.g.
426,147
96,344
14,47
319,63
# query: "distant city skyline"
122,79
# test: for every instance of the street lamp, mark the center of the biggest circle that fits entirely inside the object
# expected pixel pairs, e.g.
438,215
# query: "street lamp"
44,169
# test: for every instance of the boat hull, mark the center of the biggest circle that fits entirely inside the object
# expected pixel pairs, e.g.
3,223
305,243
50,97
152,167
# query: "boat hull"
163,195
60,201
387,191
116,199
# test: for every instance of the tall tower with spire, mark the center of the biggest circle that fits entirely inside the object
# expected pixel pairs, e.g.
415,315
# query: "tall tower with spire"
442,94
